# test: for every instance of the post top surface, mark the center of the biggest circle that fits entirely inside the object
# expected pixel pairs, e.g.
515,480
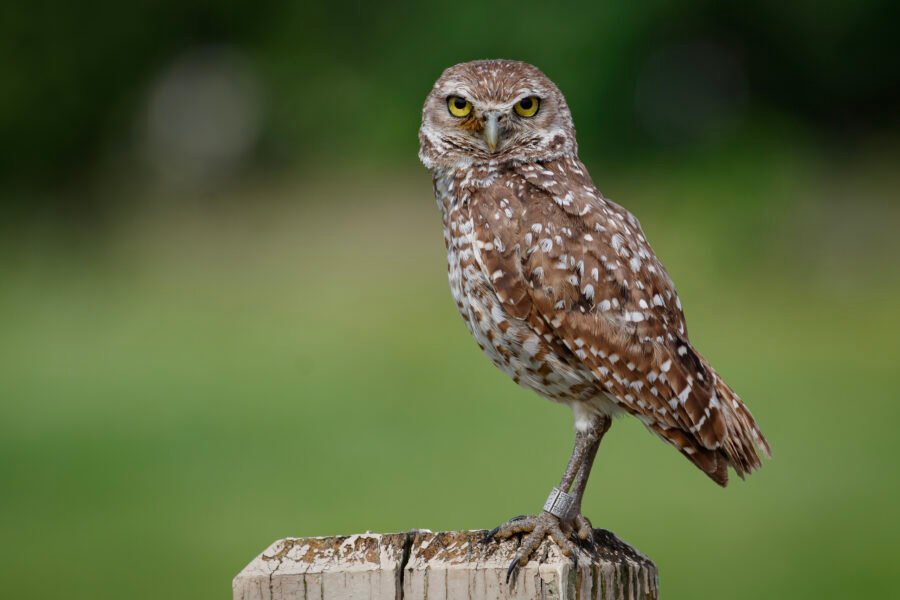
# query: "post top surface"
441,565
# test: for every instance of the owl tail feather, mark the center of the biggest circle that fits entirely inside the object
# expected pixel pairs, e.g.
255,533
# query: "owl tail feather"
738,447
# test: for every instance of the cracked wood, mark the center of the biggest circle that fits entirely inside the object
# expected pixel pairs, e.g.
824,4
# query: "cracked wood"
444,565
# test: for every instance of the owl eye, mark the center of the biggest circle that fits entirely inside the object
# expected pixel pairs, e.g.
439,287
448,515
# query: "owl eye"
459,107
528,107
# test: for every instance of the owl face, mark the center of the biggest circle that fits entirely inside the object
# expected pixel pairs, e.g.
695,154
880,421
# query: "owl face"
494,111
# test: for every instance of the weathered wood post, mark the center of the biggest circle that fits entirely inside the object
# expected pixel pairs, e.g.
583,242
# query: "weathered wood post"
439,566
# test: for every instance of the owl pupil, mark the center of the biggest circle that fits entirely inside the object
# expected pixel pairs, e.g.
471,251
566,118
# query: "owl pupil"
525,104
459,103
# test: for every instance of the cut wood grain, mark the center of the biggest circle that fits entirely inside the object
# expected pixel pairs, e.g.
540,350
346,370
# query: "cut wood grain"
442,566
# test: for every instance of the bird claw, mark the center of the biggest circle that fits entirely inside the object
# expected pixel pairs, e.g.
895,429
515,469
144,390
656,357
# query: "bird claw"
586,544
493,532
487,537
583,533
537,528
510,572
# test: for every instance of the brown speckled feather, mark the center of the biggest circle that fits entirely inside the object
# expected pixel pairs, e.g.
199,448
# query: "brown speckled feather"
556,252
557,284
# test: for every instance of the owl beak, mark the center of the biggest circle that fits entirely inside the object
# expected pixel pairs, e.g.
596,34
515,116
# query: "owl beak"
491,132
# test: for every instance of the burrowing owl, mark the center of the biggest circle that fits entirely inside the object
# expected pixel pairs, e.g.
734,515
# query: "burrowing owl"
561,289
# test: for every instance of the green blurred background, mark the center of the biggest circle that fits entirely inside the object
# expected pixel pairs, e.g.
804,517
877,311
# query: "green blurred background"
224,316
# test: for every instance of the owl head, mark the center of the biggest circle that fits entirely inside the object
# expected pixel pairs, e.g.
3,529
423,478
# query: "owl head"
494,111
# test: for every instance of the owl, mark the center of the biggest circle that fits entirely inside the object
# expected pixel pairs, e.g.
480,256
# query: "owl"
561,289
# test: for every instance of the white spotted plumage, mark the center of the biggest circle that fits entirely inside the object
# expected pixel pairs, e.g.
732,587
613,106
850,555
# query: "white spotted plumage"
559,286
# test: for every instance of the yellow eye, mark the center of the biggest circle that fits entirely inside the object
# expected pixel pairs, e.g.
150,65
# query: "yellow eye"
528,107
459,107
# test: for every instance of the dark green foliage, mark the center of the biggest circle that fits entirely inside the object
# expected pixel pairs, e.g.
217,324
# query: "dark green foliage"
347,79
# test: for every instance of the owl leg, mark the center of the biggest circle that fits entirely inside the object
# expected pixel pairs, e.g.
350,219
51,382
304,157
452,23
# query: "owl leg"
562,517
583,528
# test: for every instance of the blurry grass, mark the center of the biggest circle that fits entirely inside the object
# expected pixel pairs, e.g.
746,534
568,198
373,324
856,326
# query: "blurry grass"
195,385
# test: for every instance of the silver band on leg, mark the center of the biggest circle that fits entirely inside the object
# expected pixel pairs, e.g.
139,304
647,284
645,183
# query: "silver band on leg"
560,504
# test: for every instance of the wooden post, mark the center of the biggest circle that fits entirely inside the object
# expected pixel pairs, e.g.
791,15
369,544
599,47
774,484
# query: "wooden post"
441,566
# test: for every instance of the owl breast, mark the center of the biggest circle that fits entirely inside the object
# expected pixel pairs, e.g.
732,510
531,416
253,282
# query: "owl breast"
516,346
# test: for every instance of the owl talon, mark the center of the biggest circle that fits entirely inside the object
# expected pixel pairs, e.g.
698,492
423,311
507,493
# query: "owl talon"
510,572
487,537
516,525
490,535
537,528
584,530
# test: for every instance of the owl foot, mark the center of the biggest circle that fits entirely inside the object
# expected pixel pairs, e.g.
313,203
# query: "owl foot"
539,527
583,531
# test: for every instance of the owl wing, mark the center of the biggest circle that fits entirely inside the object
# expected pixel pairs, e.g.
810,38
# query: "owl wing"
579,268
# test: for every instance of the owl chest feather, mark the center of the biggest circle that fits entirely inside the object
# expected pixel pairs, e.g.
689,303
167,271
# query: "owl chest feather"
512,344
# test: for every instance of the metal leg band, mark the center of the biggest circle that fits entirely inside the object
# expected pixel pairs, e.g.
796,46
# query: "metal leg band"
560,504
